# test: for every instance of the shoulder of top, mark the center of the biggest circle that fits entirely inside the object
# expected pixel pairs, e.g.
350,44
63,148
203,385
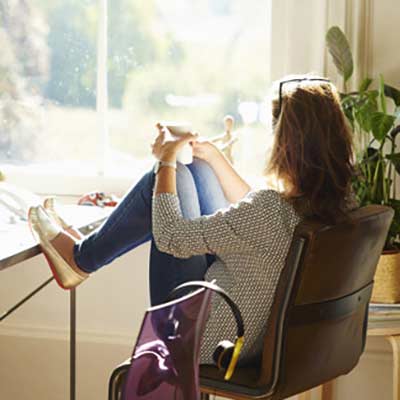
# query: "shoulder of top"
265,194
270,198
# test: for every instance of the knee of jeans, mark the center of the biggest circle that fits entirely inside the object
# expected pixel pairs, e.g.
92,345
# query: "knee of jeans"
203,172
183,175
200,165
187,192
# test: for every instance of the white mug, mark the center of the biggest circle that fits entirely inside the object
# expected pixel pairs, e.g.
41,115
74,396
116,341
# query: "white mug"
185,155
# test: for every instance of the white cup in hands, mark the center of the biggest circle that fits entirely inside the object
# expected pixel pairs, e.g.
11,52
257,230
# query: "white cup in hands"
185,154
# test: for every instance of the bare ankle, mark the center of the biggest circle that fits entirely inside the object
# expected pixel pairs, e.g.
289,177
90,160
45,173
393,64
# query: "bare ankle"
64,243
74,233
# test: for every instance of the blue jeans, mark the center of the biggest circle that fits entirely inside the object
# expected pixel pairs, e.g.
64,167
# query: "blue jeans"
129,226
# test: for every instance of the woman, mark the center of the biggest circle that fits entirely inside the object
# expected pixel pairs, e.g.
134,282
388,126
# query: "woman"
205,222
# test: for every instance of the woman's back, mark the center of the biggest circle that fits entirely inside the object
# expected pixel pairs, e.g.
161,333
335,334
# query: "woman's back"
251,240
250,274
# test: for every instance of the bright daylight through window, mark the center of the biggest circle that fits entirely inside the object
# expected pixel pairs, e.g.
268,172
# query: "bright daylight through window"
178,60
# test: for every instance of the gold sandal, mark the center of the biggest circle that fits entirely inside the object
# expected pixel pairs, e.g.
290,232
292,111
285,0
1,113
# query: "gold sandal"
44,230
49,205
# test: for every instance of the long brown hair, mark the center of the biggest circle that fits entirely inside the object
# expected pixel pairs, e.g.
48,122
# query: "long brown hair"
312,153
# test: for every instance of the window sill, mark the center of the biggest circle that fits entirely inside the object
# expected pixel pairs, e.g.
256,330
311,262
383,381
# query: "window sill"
68,184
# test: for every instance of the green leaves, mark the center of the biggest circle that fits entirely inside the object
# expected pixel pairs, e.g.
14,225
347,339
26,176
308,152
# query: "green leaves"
365,84
365,105
381,124
395,160
375,131
339,49
395,131
393,93
392,241
382,97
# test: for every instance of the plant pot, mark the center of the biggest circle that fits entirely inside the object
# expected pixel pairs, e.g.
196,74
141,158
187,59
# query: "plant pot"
387,279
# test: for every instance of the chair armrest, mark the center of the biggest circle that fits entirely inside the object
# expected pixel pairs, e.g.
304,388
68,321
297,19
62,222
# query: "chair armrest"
117,380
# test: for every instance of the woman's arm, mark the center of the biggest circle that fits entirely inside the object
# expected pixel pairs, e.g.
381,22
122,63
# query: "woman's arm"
247,223
166,150
242,227
234,186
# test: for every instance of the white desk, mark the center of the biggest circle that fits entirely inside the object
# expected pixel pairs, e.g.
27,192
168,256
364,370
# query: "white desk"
17,244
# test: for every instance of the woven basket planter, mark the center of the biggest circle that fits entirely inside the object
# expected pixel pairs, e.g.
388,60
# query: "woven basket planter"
387,279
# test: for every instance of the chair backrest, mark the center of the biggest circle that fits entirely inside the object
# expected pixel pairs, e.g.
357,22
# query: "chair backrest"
317,327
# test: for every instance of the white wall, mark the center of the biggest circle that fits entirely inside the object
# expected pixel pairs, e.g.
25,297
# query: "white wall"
298,28
34,341
385,54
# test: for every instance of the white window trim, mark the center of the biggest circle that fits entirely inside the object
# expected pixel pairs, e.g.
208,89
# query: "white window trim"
102,85
67,184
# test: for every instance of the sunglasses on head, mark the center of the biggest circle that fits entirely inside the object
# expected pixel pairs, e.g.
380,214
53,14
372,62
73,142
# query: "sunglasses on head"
294,80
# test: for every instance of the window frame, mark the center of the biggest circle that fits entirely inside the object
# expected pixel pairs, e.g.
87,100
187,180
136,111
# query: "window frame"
64,183
43,182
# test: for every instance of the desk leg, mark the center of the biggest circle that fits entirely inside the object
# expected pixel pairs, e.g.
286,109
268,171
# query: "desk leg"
327,390
395,342
72,343
305,395
323,392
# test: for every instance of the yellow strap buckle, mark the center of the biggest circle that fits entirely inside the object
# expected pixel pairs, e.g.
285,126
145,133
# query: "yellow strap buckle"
235,358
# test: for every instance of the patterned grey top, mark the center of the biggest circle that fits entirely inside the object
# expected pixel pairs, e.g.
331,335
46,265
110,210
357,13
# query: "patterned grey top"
251,240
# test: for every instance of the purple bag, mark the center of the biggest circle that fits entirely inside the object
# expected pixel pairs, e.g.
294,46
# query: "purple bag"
165,360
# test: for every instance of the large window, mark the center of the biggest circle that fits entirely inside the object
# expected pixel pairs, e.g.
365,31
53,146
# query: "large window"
48,81
83,82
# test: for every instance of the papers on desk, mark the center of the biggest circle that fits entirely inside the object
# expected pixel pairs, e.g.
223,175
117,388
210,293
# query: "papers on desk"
80,216
17,241
8,219
384,312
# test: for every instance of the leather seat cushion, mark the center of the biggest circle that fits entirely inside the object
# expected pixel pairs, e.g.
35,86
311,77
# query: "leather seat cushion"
245,376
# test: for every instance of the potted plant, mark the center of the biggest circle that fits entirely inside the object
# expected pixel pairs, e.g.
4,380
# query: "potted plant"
373,112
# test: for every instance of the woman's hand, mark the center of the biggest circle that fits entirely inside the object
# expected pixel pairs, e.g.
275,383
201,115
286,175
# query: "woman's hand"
206,150
165,147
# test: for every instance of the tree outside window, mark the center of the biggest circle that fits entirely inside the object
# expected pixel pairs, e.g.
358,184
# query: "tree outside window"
167,60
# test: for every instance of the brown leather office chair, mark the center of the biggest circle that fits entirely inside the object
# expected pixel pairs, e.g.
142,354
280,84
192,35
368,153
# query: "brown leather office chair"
317,327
